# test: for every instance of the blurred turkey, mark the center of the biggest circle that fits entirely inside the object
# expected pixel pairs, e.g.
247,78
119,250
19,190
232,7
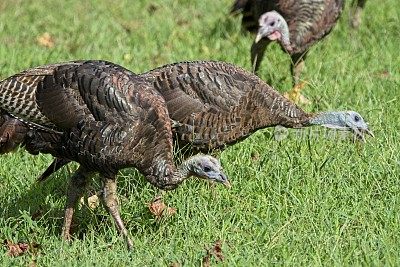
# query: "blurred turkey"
295,24
102,116
357,8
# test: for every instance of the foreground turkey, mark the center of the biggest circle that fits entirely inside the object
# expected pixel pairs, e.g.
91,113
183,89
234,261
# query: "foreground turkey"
102,116
214,104
295,24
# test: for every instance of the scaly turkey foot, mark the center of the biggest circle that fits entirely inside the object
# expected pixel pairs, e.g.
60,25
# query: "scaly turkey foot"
110,201
75,191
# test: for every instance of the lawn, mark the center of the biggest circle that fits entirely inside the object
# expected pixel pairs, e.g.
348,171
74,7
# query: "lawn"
309,199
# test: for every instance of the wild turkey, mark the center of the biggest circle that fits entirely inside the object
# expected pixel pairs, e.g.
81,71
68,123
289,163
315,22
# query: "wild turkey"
295,24
214,104
358,6
105,118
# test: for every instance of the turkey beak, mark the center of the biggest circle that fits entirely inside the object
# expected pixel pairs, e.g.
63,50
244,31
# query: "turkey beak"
262,32
359,132
369,132
224,180
227,184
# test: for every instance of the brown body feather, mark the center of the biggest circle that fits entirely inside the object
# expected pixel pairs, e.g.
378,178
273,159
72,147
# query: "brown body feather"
216,104
96,113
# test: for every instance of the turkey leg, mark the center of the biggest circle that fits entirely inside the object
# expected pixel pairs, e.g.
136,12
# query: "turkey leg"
75,191
110,201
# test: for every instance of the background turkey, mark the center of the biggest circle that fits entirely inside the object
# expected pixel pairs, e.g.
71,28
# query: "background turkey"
105,118
214,104
295,24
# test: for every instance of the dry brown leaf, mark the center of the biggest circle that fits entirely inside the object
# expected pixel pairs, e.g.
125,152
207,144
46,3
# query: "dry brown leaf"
158,208
15,250
171,211
46,40
206,260
93,202
295,94
175,264
216,251
383,74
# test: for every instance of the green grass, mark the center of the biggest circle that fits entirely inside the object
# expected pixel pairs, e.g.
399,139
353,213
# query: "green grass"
302,201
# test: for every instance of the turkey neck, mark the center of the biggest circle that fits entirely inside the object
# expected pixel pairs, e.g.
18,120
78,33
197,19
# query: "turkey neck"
167,176
327,119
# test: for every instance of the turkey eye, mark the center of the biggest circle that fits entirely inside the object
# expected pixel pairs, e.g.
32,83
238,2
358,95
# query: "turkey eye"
207,169
356,118
272,23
